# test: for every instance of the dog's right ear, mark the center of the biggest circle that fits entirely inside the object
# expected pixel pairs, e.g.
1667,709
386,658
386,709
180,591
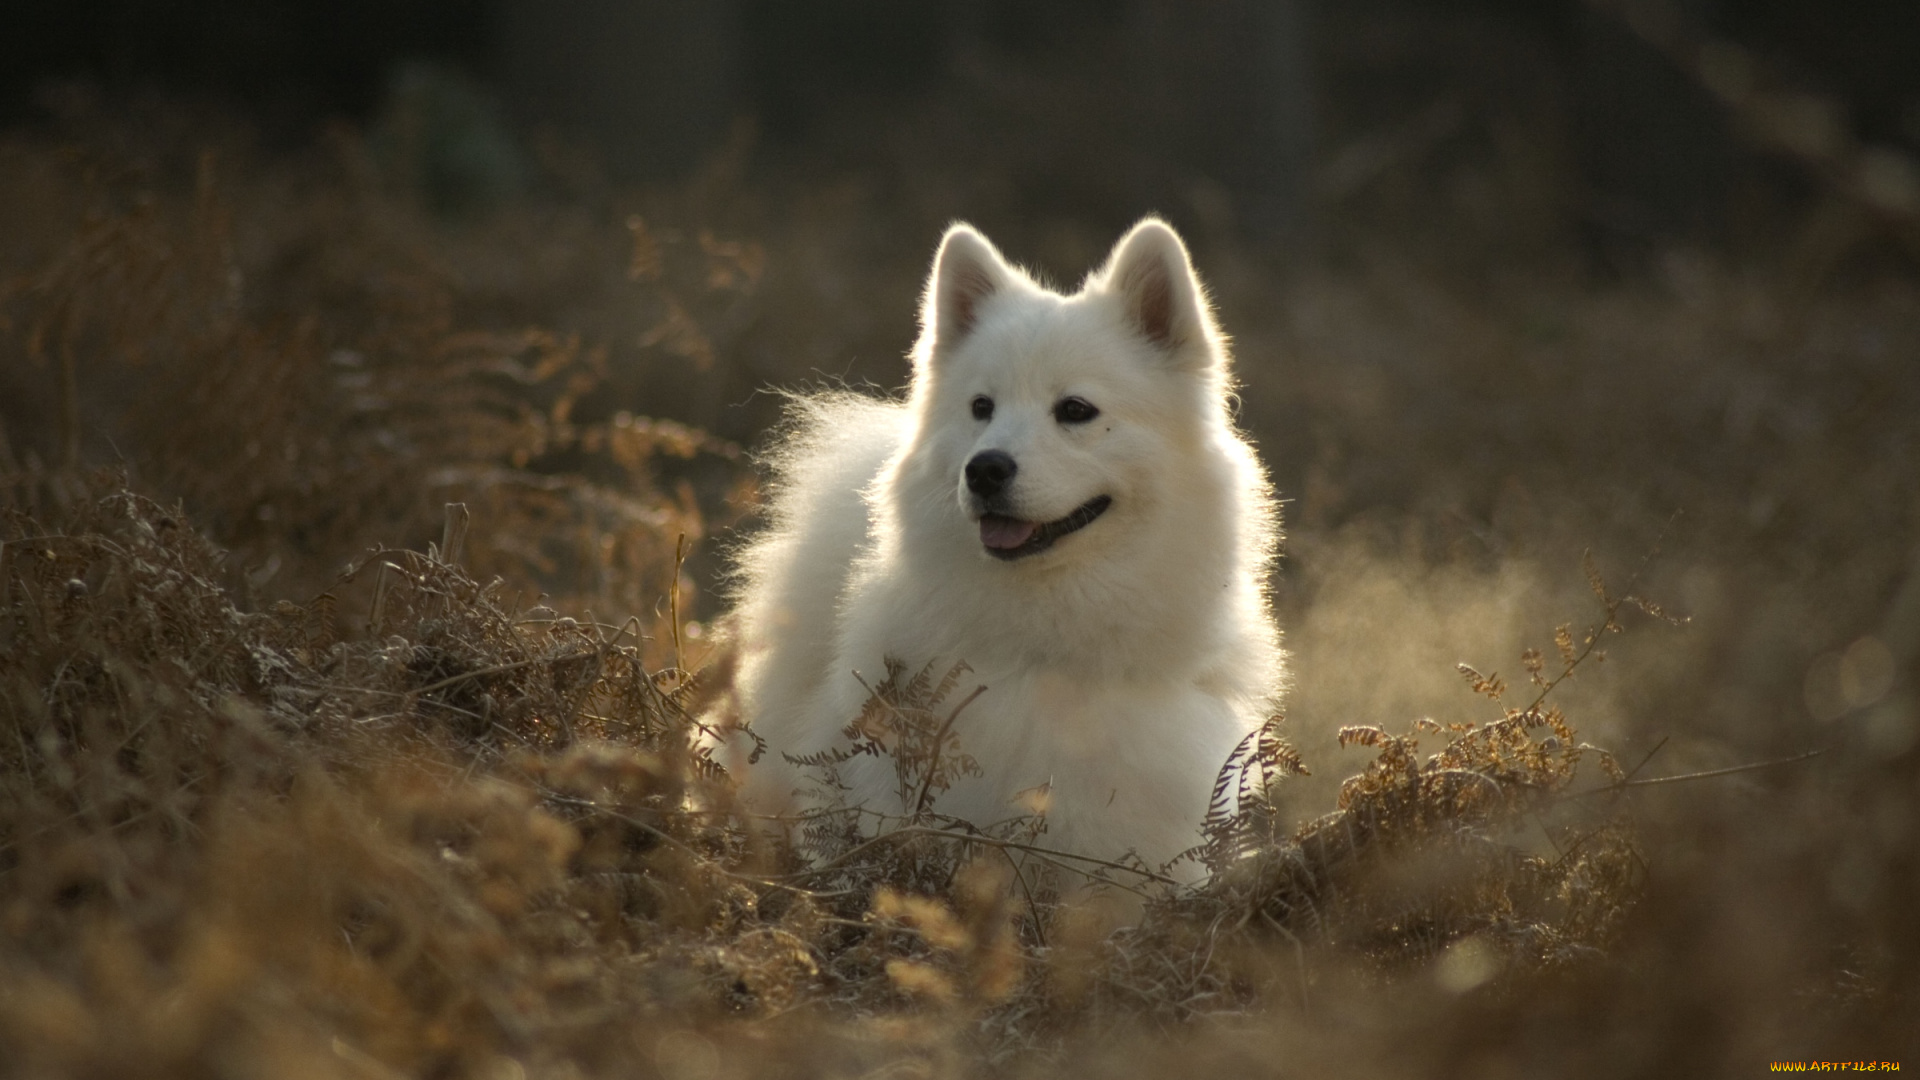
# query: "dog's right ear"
967,271
1151,274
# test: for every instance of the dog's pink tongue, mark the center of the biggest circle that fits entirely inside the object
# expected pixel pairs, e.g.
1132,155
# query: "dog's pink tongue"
1005,532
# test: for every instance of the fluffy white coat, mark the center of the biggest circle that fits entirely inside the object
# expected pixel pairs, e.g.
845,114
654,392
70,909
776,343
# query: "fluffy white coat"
1123,661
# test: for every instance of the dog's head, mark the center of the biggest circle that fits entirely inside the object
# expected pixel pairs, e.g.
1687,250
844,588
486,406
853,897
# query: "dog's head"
1054,417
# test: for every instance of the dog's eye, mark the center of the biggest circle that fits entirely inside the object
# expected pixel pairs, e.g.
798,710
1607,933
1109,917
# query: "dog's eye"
1074,410
982,407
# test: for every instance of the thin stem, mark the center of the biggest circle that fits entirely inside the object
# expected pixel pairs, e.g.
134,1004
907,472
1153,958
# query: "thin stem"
1050,854
1706,775
939,740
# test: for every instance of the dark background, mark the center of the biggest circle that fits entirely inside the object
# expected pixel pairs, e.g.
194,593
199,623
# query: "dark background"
1238,92
1509,283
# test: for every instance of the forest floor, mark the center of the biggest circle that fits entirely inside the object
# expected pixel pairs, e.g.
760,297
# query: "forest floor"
357,594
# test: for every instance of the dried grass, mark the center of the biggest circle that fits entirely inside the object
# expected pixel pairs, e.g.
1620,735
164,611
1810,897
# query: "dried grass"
234,840
261,814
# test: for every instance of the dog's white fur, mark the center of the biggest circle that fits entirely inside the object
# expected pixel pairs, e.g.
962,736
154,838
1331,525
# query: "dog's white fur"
1123,663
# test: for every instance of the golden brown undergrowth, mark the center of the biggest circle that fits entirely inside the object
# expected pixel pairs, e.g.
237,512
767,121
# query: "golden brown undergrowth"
442,812
476,832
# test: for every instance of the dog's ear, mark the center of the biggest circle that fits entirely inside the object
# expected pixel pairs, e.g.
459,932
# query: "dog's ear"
1151,275
967,270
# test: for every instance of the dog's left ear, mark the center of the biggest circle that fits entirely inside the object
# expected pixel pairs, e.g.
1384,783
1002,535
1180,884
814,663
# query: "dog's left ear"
1151,275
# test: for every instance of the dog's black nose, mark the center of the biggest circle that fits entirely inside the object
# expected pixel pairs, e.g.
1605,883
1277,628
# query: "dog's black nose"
989,471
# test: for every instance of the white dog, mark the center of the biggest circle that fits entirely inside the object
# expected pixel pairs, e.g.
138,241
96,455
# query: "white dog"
1063,503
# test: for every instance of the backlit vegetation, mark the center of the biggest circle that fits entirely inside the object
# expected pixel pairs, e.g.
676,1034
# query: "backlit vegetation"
350,724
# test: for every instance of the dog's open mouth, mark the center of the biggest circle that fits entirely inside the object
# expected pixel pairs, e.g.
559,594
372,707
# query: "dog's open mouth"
1011,538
